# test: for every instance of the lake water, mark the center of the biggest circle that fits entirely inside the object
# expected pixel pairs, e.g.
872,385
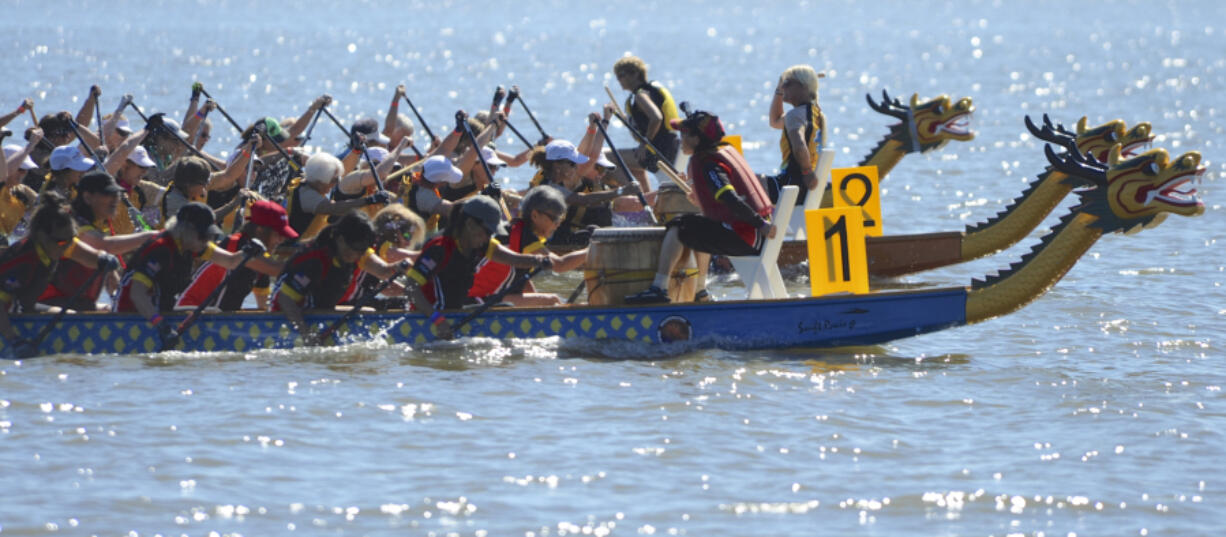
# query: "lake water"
1097,410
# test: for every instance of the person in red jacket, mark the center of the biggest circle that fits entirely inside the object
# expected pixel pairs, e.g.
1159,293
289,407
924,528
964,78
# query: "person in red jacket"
735,208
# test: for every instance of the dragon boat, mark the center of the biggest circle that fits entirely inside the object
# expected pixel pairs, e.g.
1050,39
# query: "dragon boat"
1129,195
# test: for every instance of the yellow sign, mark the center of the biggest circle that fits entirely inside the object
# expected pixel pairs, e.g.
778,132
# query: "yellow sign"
837,259
857,187
735,140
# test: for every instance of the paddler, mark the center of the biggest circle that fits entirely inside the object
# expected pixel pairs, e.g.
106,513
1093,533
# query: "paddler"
735,209
562,166
143,194
317,277
94,210
424,197
308,203
651,109
17,199
269,225
26,266
399,232
191,180
443,273
804,129
162,268
540,213
360,182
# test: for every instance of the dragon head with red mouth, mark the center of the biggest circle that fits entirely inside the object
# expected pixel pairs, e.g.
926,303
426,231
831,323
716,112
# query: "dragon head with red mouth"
1099,140
1138,192
927,125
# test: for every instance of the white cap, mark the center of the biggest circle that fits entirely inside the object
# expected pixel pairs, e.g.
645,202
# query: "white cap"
438,169
26,163
562,149
377,154
123,127
173,126
604,162
140,157
491,157
69,156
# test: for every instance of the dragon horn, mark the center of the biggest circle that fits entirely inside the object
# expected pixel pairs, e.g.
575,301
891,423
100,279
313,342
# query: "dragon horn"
1059,127
1075,166
1047,133
886,107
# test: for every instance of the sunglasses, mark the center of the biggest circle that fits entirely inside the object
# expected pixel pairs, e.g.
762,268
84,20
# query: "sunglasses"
555,218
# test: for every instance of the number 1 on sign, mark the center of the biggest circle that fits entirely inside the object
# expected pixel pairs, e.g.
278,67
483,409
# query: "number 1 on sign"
837,260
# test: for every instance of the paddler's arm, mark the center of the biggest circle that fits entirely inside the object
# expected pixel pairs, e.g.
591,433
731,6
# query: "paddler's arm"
238,201
655,118
293,313
235,170
389,122
191,124
85,116
36,135
192,104
111,123
267,265
300,125
230,260
26,104
116,244
115,160
357,181
590,145
568,262
142,300
776,110
440,326
507,256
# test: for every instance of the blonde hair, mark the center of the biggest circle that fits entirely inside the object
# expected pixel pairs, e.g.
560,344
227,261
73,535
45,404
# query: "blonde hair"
322,168
803,75
630,65
395,218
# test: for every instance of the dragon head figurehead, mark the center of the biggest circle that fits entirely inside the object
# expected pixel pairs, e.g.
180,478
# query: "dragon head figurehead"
1096,141
1135,192
1099,140
927,125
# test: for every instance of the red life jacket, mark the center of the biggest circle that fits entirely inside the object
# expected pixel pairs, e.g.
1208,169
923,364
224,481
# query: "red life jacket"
207,278
326,262
71,276
742,179
492,277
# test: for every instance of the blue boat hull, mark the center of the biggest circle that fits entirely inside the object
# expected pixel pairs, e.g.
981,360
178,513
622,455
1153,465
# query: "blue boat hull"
735,325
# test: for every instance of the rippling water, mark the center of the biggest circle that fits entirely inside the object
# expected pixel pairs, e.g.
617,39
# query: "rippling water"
1096,410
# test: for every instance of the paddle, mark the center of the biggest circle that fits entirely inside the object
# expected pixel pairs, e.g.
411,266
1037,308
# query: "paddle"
362,144
521,136
330,331
420,120
506,110
626,171
495,299
33,344
310,128
499,94
238,217
668,168
133,213
489,174
173,342
529,111
98,116
191,148
220,109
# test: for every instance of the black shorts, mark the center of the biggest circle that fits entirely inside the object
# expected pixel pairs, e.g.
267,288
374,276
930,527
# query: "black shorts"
668,143
703,234
773,184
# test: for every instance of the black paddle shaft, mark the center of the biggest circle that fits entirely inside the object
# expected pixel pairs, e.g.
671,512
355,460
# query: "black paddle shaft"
348,133
495,299
419,118
191,148
213,296
529,111
626,171
222,110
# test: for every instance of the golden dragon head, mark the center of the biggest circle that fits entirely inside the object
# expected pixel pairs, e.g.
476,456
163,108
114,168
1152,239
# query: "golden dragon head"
1096,141
1099,140
928,125
1138,192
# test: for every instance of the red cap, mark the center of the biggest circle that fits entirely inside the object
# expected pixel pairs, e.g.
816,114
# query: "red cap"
269,214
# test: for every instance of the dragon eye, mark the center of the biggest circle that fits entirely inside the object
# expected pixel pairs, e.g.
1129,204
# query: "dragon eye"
1112,136
940,109
1151,168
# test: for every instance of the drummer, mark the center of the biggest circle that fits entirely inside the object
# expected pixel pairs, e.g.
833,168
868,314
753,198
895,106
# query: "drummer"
26,267
540,213
734,207
162,268
651,109
443,274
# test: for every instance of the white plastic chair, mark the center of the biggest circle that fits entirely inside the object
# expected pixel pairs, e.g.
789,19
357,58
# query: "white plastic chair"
760,273
825,162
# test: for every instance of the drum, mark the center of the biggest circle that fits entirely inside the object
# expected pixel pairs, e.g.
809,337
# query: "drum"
622,261
671,202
